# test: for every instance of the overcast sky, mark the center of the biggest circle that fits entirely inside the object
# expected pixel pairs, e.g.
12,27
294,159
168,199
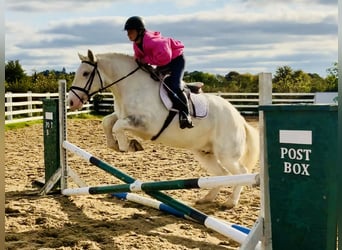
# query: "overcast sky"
247,36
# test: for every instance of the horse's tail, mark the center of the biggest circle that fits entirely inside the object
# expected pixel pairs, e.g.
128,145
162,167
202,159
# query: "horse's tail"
252,151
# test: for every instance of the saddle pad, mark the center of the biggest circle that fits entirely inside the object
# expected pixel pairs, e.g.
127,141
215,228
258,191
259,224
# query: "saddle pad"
198,103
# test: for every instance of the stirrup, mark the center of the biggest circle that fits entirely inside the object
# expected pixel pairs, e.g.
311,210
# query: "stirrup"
185,121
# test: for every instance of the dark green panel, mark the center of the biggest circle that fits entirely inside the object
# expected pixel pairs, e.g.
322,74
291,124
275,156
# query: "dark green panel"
51,138
302,177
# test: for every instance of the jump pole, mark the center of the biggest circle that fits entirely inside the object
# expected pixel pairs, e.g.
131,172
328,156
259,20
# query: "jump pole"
136,186
145,201
165,208
226,229
235,232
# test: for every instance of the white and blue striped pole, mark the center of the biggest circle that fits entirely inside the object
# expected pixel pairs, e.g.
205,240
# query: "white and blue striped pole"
165,208
150,203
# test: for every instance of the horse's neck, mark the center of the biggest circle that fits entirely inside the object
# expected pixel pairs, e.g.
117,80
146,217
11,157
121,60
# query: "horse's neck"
114,66
118,66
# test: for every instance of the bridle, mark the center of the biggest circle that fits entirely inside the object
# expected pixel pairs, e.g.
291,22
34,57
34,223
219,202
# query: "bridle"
89,83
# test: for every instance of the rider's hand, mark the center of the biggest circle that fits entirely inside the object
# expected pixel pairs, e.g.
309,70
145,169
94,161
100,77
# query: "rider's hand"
141,61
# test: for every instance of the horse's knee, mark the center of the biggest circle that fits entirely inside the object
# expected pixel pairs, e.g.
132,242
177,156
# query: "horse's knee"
234,167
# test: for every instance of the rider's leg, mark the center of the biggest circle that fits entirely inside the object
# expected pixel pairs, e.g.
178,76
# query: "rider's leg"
184,113
177,69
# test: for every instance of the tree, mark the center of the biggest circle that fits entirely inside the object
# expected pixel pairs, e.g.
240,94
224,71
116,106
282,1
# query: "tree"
15,78
333,70
14,72
332,78
232,75
288,80
241,82
211,82
283,79
45,83
301,81
318,84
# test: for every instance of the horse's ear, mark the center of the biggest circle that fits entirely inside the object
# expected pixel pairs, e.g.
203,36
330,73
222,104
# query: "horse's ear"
82,58
91,56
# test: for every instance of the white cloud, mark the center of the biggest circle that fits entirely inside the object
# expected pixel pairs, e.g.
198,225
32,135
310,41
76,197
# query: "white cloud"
53,6
228,36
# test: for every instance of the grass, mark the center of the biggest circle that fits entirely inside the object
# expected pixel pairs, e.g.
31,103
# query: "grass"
30,123
85,116
21,124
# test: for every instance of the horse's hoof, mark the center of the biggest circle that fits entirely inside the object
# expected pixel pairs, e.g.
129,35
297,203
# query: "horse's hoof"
229,204
114,146
134,146
203,201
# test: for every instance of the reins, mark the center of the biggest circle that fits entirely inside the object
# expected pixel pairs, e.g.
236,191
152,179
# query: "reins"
143,67
87,87
115,82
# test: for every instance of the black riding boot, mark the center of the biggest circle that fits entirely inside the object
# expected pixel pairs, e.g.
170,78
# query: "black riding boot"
184,115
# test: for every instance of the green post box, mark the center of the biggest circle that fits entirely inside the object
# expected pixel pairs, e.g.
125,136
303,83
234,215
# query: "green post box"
51,144
301,157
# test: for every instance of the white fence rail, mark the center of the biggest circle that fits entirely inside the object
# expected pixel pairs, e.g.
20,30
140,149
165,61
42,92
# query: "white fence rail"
22,107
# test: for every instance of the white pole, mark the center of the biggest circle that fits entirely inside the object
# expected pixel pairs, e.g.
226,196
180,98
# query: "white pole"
227,230
76,150
231,180
265,98
63,133
75,191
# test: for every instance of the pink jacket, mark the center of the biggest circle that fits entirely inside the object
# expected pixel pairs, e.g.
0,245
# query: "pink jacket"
158,50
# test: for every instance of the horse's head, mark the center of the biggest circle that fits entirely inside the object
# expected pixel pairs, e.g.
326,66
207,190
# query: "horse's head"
87,82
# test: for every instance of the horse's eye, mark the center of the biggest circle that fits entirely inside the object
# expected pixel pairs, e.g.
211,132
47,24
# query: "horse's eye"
86,73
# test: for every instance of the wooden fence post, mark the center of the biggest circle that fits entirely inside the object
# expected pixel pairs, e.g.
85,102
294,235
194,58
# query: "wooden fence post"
9,102
29,100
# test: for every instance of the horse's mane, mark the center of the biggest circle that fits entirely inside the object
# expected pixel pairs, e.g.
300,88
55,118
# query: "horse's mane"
114,55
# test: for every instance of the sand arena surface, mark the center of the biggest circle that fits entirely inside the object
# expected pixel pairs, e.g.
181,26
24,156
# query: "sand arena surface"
100,221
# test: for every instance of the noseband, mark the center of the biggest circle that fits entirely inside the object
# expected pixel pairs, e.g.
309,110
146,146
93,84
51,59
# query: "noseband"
90,81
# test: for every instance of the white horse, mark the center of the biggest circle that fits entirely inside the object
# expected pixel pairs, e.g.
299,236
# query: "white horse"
223,142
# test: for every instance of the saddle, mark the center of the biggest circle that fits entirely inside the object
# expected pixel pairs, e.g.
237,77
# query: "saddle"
198,103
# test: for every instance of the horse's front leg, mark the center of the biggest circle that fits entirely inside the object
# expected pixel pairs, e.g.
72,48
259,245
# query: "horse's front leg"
107,124
125,144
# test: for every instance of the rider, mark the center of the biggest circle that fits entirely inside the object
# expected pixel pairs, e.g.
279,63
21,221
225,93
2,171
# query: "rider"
167,54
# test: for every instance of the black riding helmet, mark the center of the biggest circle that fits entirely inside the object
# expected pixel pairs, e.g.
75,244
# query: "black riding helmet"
135,23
